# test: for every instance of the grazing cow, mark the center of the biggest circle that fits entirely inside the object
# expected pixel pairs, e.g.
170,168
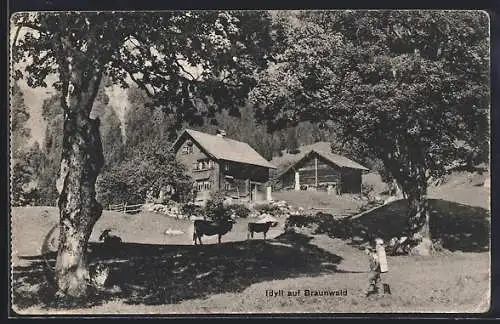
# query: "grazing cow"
259,228
109,239
209,228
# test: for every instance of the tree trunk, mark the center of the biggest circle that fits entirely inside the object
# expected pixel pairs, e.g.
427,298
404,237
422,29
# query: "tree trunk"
79,210
418,214
81,162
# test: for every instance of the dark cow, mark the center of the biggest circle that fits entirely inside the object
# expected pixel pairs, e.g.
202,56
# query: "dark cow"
259,228
209,228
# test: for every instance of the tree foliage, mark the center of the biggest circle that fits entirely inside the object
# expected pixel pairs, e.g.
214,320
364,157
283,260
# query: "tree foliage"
149,167
406,85
24,187
20,133
396,80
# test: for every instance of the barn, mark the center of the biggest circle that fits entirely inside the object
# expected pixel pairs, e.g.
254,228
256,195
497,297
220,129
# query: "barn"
220,164
321,170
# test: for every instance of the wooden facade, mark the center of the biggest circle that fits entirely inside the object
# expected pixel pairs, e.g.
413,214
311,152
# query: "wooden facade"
237,180
316,172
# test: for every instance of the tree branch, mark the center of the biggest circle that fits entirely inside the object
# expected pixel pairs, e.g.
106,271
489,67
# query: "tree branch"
16,35
140,84
30,25
184,70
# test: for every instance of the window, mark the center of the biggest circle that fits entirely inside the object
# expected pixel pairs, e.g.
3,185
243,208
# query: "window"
226,166
187,148
227,186
204,164
203,185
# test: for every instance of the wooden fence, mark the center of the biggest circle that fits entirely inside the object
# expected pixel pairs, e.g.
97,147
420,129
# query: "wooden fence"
126,209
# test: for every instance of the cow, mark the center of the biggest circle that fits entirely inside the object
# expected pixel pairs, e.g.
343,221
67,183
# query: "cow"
259,228
209,228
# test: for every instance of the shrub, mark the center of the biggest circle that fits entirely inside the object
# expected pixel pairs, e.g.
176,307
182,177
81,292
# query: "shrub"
240,210
215,208
367,189
140,177
191,209
267,208
322,223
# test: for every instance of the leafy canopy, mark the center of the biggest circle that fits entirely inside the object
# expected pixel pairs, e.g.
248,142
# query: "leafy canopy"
184,60
408,85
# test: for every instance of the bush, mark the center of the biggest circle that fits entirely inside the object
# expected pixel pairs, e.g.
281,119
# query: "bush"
267,208
149,169
367,189
240,210
191,209
323,223
215,208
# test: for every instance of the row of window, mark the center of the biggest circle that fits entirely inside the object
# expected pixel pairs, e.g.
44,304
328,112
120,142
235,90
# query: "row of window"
203,185
207,164
207,185
204,164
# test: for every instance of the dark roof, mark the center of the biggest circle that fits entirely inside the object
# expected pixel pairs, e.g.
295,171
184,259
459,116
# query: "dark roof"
223,148
337,159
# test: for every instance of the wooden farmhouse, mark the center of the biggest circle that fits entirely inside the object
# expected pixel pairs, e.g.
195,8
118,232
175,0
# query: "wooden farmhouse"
321,170
220,164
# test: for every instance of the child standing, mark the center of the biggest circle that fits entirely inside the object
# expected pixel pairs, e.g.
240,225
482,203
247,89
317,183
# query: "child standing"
378,266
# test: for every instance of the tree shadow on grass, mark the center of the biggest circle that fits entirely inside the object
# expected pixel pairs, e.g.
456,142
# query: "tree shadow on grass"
460,227
163,274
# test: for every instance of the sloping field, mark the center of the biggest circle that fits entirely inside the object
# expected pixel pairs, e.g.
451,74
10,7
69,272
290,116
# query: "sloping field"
461,227
31,224
317,201
166,279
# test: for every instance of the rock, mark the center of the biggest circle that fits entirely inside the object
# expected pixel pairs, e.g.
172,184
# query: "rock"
264,218
487,183
424,248
357,239
281,203
173,232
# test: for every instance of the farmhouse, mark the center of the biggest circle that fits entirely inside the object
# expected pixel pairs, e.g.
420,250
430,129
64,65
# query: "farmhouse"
319,169
221,164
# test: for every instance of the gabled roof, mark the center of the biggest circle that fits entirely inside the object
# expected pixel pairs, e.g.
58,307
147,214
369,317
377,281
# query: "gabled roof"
337,159
223,148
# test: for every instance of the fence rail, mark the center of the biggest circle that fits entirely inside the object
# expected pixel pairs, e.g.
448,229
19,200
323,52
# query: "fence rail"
117,207
126,209
132,208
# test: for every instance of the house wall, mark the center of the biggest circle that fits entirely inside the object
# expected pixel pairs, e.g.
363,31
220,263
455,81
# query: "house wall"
243,176
238,179
349,180
206,178
327,172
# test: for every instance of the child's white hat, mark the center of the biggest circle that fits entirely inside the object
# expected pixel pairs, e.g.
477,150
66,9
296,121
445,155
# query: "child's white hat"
379,241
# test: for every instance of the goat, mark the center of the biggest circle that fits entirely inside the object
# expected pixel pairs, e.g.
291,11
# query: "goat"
109,239
260,228
209,228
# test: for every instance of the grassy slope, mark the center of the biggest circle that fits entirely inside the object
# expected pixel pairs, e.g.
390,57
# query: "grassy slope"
321,201
168,275
450,283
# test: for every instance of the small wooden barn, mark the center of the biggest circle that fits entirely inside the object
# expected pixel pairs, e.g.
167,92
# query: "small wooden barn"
220,164
322,170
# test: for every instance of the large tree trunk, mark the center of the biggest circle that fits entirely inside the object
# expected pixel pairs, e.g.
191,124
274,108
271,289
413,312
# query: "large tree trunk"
82,159
418,213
